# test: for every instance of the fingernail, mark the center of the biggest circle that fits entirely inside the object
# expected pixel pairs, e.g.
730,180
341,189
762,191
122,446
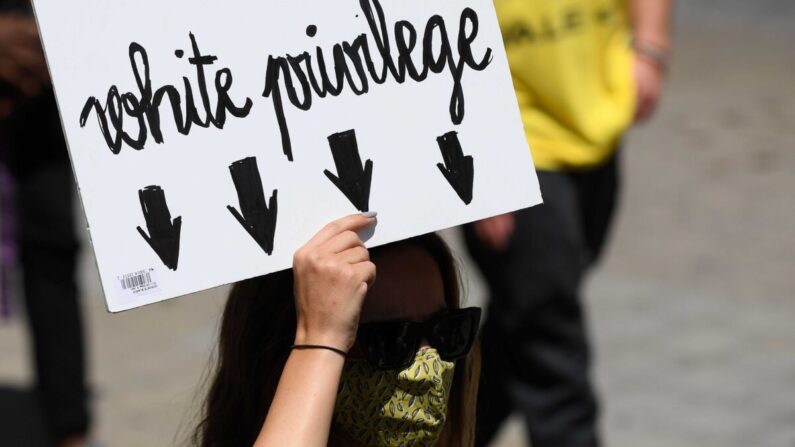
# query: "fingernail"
370,214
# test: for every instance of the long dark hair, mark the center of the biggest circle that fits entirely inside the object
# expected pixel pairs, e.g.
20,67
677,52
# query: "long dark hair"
257,330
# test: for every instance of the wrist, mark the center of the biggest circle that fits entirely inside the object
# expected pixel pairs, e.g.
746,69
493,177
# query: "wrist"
307,338
317,360
337,351
661,42
656,53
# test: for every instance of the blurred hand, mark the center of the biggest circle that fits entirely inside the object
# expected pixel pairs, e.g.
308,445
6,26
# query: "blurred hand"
649,81
22,64
495,232
332,275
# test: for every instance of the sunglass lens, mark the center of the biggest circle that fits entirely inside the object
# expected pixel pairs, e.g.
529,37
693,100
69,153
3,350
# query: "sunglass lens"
388,346
454,333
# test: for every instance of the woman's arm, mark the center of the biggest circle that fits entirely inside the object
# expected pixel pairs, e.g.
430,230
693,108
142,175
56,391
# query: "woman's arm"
651,22
332,274
300,414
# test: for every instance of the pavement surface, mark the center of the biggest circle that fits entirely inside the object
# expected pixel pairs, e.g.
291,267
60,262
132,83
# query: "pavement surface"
691,312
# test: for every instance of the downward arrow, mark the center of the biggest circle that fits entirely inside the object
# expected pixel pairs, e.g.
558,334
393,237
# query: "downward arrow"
459,170
352,178
258,218
163,232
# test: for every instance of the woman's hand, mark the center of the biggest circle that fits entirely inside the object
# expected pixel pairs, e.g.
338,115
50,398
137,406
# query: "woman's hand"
649,78
495,232
332,275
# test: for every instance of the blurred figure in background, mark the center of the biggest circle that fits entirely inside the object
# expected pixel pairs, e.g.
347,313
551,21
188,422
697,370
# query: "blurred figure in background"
32,148
584,71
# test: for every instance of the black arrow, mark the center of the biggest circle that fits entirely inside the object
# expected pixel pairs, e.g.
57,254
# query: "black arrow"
259,218
163,232
459,170
354,180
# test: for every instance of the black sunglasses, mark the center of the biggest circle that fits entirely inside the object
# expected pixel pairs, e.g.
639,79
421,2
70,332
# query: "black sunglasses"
393,344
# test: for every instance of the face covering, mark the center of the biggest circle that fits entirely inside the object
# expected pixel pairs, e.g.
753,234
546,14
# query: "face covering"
394,408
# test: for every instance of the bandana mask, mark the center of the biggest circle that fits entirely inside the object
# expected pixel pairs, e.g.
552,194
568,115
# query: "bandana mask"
395,408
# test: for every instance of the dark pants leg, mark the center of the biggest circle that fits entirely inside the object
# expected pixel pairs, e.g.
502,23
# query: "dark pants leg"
535,345
48,254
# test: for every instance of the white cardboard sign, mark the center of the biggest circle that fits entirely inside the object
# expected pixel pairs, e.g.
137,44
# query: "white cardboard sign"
211,139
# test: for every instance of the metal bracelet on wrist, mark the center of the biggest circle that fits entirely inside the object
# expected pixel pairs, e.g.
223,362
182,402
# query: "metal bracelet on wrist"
657,55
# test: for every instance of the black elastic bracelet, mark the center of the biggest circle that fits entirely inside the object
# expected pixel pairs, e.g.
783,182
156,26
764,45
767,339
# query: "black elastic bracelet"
328,348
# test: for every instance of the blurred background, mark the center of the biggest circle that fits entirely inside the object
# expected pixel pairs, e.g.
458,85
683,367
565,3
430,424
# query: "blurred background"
691,311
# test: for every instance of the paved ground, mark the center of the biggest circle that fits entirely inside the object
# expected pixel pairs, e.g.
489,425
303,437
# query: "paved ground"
691,312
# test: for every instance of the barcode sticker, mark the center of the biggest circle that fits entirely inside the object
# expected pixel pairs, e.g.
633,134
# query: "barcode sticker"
142,282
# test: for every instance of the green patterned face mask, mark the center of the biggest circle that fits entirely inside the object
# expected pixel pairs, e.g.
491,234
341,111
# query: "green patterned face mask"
395,408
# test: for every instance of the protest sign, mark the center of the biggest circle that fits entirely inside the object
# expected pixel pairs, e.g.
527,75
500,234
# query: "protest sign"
211,139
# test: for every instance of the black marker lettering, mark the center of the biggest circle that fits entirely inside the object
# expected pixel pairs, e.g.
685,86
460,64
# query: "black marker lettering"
350,60
145,108
405,48
354,66
272,89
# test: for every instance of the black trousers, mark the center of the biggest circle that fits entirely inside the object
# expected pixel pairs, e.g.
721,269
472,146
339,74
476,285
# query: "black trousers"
535,344
37,157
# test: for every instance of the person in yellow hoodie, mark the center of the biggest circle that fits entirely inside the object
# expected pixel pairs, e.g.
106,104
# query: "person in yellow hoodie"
584,71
